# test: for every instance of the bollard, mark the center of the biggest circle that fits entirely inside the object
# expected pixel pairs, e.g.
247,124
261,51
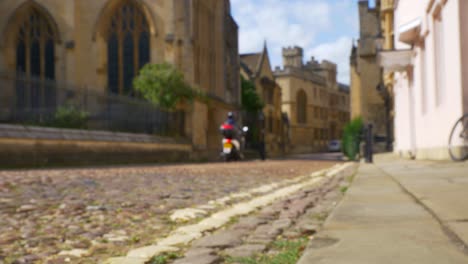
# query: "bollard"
369,152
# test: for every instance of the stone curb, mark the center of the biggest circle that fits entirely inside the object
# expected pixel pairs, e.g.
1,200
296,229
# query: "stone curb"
186,234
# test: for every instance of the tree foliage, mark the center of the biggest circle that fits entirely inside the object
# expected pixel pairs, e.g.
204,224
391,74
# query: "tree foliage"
163,85
352,137
251,102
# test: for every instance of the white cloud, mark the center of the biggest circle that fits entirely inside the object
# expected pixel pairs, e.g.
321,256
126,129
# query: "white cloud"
298,22
279,22
337,52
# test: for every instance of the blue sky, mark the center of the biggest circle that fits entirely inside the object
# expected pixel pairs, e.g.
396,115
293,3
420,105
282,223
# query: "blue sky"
324,28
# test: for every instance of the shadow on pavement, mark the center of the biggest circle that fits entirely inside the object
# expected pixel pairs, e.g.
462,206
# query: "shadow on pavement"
328,156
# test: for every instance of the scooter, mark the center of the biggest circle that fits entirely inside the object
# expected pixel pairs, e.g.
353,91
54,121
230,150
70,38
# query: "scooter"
232,148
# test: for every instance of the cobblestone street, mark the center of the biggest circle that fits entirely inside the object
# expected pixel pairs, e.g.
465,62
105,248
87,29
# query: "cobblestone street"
51,215
270,234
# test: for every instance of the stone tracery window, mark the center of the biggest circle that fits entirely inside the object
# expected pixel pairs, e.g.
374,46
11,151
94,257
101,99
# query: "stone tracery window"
128,47
35,57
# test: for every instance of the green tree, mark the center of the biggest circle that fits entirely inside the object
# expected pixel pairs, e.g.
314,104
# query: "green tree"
163,85
352,137
251,102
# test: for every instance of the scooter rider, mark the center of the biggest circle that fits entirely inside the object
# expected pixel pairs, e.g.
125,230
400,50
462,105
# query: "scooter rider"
236,134
231,120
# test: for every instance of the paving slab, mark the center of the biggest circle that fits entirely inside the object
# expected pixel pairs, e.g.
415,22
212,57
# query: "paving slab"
246,251
199,251
440,186
150,251
378,222
125,260
249,223
199,259
461,229
221,239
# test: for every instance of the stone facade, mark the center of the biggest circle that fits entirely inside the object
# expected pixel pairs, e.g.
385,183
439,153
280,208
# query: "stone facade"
316,105
199,37
256,67
366,74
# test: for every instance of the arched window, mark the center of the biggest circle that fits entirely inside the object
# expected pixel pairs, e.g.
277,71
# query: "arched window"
128,45
35,59
301,107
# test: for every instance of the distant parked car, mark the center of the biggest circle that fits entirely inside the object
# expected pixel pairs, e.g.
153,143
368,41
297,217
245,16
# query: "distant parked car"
334,145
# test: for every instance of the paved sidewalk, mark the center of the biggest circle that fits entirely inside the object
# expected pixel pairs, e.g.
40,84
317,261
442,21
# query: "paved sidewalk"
398,212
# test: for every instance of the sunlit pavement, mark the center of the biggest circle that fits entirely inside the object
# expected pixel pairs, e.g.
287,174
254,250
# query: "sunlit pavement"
398,211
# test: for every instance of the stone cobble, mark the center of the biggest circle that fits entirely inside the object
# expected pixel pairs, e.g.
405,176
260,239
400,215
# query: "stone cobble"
300,215
53,215
220,239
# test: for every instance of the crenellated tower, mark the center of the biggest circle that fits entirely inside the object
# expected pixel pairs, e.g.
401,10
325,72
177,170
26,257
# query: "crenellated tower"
292,57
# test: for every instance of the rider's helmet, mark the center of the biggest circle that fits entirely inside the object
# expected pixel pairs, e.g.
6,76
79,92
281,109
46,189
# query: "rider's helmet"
230,119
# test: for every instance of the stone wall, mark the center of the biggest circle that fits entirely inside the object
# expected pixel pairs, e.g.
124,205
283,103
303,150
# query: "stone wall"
199,37
22,146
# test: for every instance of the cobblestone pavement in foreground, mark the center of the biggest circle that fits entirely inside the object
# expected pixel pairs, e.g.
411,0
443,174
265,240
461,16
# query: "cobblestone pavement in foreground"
255,238
107,211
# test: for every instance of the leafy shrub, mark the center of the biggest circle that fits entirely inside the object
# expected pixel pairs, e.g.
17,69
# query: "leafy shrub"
250,100
352,138
163,85
69,116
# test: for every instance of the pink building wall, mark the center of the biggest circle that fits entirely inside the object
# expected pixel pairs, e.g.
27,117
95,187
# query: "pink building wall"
463,14
423,116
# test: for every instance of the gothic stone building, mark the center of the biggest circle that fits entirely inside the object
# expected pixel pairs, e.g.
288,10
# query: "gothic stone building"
316,104
256,67
101,45
366,74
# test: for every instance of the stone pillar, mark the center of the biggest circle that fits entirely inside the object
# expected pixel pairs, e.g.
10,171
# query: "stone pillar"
66,69
170,35
199,126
